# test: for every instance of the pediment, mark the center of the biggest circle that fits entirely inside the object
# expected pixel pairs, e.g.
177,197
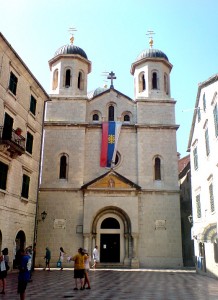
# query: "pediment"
111,181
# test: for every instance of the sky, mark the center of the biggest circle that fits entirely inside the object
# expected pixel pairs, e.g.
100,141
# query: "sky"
113,34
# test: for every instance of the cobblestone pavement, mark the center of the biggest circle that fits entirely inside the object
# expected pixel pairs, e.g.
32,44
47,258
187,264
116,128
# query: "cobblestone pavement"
117,284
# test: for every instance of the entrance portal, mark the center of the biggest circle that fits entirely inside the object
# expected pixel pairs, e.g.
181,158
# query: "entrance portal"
110,248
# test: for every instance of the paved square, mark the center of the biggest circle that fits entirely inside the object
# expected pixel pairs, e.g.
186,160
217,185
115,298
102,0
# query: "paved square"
117,284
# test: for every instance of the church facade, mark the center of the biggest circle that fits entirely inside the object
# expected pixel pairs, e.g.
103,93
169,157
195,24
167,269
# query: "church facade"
130,207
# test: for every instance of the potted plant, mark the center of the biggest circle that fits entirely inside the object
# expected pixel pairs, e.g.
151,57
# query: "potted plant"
18,131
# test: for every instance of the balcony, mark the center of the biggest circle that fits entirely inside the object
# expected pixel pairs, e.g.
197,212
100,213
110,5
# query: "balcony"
11,142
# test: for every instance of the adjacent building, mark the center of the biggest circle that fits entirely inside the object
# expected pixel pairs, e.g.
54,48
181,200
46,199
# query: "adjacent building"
128,205
203,147
22,101
186,210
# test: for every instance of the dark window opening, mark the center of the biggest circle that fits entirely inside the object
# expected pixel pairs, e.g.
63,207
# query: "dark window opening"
126,118
154,80
3,175
8,125
13,83
29,143
95,117
111,113
25,186
143,82
110,223
63,167
157,169
79,80
67,79
33,105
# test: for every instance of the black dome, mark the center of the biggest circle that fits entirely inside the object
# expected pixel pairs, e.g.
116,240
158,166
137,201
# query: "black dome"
151,53
71,49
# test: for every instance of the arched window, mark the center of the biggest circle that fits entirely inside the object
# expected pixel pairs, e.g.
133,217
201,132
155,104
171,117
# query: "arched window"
142,83
80,81
63,167
67,78
154,80
166,84
111,113
55,80
95,117
157,169
110,223
126,118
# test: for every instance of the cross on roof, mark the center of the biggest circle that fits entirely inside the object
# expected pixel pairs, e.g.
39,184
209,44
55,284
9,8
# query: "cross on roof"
111,76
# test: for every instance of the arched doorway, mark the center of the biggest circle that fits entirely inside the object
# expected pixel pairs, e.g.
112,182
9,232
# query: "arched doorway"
111,232
20,242
110,240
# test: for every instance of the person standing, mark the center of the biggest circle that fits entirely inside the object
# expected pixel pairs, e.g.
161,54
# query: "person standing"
47,258
24,274
79,268
87,268
4,267
61,257
95,255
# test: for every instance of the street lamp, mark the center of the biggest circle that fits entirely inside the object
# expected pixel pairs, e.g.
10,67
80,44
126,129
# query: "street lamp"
43,215
190,219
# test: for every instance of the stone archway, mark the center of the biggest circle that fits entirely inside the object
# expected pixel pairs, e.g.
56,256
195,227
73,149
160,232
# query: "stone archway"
20,242
111,238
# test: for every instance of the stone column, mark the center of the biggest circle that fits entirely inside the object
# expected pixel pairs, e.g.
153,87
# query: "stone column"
126,245
134,260
86,243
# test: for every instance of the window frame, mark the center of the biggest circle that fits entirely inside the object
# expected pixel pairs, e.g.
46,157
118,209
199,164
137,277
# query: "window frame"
25,186
195,156
3,175
29,142
33,103
13,81
198,206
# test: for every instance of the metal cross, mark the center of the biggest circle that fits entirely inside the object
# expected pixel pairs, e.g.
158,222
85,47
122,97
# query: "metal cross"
111,76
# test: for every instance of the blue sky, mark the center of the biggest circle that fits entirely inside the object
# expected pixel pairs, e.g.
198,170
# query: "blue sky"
113,33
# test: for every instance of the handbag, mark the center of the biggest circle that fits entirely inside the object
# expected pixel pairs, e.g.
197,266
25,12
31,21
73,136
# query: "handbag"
59,264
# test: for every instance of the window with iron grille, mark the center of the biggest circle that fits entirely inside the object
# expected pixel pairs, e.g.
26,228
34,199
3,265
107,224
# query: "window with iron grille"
29,143
198,206
195,154
13,83
25,186
212,207
3,175
33,105
215,116
207,142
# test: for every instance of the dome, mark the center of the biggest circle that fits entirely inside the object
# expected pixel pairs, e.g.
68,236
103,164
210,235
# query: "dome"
96,92
71,49
151,53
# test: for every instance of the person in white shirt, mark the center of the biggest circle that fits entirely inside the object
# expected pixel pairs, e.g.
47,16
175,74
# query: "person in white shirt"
95,255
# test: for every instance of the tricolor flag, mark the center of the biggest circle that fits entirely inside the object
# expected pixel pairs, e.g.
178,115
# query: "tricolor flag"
110,135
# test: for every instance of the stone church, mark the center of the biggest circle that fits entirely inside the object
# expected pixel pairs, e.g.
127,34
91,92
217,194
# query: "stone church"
129,207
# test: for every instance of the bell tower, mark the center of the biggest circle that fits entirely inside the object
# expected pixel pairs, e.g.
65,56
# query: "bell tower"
151,72
69,71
